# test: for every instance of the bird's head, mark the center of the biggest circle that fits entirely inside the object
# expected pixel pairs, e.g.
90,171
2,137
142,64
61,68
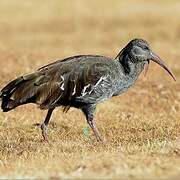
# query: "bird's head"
138,51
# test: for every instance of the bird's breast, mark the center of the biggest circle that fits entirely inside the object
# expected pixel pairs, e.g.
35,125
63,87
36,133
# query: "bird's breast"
123,85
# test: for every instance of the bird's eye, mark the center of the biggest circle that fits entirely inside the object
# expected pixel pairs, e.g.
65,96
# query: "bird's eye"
145,48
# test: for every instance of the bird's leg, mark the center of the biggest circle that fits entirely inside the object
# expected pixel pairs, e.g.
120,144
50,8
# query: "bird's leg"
89,111
45,124
92,124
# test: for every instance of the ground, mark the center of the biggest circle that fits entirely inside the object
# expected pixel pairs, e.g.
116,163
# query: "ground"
141,128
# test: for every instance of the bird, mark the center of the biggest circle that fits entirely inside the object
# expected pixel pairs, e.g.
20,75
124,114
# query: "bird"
81,81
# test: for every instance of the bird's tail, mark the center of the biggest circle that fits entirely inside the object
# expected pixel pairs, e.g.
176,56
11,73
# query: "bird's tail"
17,92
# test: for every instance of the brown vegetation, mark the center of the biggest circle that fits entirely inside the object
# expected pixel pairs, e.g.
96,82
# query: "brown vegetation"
141,127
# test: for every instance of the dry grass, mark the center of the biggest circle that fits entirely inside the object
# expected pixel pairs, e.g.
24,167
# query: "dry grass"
141,127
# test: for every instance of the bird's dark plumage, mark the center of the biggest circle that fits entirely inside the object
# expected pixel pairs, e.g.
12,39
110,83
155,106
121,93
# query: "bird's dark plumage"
81,81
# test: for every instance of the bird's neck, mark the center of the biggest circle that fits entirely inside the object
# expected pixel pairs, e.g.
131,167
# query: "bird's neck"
131,70
127,74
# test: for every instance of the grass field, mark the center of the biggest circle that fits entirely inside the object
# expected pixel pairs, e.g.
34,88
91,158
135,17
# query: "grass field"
141,127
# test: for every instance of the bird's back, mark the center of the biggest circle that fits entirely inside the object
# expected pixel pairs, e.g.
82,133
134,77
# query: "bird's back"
70,82
84,79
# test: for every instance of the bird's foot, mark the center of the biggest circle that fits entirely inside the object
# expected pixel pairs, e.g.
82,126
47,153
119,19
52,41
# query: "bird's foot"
98,137
44,132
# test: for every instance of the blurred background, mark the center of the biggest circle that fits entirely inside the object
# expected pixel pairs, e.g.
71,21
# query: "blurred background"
45,31
141,127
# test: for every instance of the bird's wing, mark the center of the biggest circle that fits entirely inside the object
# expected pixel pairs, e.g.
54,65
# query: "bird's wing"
77,79
61,83
98,82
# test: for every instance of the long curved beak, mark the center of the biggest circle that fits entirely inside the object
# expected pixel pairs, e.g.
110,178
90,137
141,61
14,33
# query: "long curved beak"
159,61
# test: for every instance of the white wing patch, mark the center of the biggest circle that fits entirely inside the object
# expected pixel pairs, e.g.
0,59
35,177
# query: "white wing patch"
98,82
101,79
84,90
62,86
74,91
